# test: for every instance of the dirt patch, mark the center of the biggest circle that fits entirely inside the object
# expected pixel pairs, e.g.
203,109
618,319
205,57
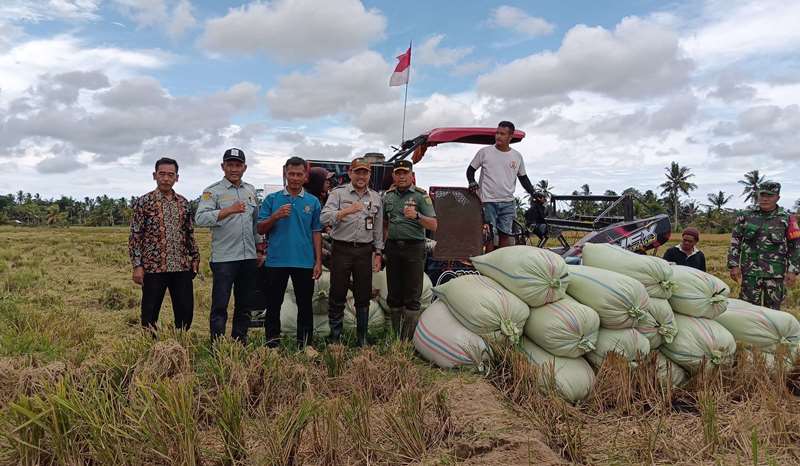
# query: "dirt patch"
490,432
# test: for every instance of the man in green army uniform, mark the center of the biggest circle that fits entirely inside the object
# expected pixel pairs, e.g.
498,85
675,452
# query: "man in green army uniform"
765,249
408,212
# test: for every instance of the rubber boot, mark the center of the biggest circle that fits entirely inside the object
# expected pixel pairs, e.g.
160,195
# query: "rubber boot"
410,319
396,314
336,331
362,323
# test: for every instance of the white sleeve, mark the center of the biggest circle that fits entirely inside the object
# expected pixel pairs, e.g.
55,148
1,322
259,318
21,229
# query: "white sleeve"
521,169
477,161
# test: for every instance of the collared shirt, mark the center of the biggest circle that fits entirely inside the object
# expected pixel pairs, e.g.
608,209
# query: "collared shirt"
400,227
290,242
162,234
233,238
353,228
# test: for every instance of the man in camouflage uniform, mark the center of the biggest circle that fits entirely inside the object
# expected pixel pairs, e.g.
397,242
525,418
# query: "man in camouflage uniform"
765,250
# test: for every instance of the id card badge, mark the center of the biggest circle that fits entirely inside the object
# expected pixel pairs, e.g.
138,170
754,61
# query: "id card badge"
369,223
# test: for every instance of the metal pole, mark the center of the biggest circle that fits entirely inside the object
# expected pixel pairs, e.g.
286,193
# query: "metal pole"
405,100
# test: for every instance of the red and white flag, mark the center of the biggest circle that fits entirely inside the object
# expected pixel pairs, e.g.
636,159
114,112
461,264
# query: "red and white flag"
400,75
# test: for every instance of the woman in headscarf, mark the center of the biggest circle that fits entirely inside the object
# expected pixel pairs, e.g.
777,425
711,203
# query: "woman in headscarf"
319,183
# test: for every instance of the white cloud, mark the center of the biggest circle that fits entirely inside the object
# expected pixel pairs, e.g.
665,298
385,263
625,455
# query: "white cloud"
130,118
517,20
731,88
314,149
182,19
156,13
332,87
430,52
762,130
637,59
144,12
295,30
385,119
62,159
733,30
470,67
48,10
23,63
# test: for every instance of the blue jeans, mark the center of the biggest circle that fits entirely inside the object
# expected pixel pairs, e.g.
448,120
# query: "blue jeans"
241,276
500,215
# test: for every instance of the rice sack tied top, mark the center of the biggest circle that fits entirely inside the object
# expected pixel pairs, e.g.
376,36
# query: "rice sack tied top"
652,272
620,301
565,328
699,340
537,276
698,294
484,307
762,327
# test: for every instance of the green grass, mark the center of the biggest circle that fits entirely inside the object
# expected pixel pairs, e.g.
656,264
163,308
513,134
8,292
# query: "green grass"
80,383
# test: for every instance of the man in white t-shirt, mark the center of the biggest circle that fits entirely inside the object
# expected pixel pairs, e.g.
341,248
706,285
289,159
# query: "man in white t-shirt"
500,167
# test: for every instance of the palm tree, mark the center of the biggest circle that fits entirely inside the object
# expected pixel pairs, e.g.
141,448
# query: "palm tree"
752,180
719,200
677,183
544,187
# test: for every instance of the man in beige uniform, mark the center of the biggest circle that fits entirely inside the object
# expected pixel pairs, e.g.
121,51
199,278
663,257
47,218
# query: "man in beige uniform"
355,215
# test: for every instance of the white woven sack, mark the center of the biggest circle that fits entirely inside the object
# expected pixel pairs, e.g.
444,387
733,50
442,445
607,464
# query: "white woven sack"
700,340
764,328
484,307
697,293
573,377
620,301
652,272
564,328
376,317
289,319
380,289
659,323
669,372
628,343
537,276
442,340
319,300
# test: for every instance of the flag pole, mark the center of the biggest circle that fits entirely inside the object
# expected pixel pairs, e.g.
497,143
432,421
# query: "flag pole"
405,101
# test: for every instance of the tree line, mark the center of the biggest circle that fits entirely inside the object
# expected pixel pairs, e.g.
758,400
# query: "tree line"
710,216
25,208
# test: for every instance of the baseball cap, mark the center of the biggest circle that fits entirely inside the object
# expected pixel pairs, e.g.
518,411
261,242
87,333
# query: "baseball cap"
359,163
403,165
769,187
233,154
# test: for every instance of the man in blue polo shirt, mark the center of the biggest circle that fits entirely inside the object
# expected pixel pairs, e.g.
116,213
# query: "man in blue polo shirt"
290,219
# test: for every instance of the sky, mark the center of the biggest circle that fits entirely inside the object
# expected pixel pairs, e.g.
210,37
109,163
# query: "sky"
92,92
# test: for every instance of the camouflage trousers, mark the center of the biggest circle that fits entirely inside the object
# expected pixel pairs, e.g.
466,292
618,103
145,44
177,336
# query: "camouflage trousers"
767,292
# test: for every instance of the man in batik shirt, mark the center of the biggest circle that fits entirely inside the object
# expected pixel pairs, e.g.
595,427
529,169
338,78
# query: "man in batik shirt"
163,251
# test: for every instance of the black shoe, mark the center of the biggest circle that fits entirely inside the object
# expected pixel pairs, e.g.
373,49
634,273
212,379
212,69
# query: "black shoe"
336,331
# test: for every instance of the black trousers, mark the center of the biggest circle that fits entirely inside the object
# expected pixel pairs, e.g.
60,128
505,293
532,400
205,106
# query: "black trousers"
303,284
241,276
349,259
405,264
181,292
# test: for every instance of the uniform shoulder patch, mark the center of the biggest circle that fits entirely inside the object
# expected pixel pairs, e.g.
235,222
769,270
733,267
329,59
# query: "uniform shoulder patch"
206,196
428,200
420,190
